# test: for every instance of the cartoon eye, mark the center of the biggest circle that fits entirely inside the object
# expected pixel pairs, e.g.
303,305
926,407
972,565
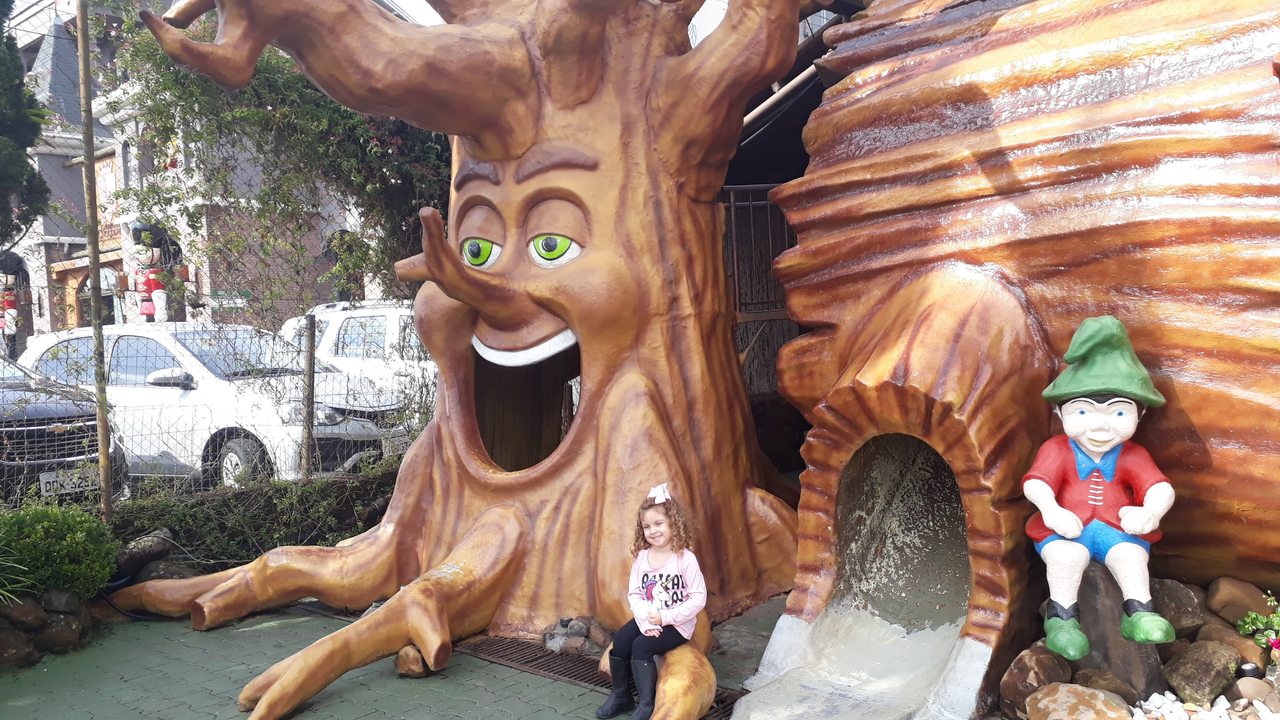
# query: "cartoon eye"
551,250
1120,413
480,253
1080,412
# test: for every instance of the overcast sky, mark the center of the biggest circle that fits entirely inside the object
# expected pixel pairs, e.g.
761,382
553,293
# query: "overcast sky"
703,23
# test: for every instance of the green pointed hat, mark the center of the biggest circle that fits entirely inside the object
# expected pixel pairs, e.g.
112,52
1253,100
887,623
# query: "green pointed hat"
1101,361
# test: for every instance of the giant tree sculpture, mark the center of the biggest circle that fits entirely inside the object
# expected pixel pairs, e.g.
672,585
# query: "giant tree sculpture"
590,144
986,175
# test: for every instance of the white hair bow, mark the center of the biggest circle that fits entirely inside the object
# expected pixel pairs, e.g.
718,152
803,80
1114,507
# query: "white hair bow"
660,494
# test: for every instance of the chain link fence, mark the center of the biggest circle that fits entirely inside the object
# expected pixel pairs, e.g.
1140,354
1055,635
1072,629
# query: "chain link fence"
229,224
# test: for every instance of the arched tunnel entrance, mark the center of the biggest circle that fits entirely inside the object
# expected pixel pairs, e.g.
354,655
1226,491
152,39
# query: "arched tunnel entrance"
900,532
900,596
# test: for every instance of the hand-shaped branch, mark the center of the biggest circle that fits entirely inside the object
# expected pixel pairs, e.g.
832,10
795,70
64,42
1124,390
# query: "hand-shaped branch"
451,78
455,599
754,44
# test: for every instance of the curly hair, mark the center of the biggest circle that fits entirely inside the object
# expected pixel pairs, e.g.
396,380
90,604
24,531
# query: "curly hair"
681,527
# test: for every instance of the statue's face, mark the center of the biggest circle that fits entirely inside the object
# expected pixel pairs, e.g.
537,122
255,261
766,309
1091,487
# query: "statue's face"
539,262
1099,426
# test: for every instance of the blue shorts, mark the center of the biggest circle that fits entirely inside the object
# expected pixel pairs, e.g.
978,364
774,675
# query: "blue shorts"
1099,538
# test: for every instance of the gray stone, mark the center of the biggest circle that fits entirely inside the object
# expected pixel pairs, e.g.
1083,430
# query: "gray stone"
1106,680
59,635
1060,701
598,635
164,570
1031,670
576,628
26,614
16,648
1101,611
138,552
60,601
1177,604
1201,673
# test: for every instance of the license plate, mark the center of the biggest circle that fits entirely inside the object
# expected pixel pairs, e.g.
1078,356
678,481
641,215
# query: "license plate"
397,445
61,482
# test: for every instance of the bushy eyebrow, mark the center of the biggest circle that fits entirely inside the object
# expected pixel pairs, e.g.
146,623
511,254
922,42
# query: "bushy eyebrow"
549,156
475,170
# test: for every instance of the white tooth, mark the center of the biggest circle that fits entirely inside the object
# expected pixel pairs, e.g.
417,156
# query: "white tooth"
528,356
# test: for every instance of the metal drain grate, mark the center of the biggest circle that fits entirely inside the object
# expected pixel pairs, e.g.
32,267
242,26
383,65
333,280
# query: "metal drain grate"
578,670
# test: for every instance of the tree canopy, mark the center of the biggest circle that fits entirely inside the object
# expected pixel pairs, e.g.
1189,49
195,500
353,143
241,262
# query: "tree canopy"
285,150
24,196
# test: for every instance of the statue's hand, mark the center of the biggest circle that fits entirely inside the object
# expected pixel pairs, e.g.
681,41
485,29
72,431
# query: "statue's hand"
1137,520
1063,522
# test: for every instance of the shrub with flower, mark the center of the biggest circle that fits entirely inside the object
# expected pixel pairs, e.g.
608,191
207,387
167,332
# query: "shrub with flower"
1265,629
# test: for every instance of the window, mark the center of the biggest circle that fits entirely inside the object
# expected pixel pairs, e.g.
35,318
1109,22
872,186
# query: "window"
70,362
133,358
362,337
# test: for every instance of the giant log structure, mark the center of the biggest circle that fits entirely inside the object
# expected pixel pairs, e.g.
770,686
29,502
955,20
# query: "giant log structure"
986,175
583,214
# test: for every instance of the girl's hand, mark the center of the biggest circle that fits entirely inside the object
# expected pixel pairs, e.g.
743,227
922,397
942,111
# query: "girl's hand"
653,632
654,618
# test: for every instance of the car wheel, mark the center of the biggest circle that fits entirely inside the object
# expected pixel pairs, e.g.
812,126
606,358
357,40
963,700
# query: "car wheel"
239,459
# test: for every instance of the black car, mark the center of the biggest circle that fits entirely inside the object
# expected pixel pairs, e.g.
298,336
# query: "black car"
49,439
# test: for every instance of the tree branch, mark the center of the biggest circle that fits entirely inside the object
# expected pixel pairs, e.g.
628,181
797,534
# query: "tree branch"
754,44
449,78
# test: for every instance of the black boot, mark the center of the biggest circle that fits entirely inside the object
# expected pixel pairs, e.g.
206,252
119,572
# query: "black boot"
646,675
619,700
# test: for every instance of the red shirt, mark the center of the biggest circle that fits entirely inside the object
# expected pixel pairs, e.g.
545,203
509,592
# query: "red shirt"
1093,497
148,281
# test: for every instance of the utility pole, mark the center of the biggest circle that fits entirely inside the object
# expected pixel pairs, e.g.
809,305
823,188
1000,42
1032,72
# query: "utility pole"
91,237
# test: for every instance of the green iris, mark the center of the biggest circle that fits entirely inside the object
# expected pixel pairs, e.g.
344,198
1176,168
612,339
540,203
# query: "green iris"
551,247
477,251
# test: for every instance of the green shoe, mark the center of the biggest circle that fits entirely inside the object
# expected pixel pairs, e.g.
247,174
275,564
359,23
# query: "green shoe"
1147,628
1065,638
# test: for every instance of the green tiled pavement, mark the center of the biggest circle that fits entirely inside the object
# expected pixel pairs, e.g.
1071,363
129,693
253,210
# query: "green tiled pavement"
166,671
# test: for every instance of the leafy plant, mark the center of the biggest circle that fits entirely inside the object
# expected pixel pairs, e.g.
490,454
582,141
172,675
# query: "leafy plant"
1265,629
13,580
231,526
61,548
279,151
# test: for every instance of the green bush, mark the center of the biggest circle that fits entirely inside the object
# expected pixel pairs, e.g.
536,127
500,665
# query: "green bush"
58,548
231,526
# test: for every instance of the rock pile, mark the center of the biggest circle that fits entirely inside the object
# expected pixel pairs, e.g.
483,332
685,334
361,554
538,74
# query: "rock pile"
1211,672
55,622
577,636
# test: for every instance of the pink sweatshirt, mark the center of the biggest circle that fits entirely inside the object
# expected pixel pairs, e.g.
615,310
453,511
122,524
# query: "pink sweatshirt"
676,589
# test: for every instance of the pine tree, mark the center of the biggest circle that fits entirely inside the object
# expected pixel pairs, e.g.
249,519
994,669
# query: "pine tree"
24,196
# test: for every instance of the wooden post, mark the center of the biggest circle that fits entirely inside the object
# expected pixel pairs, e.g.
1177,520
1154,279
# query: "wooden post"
91,238
308,394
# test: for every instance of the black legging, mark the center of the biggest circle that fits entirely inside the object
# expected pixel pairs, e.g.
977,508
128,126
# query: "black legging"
631,644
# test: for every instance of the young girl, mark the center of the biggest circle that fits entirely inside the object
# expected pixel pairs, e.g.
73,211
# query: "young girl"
666,593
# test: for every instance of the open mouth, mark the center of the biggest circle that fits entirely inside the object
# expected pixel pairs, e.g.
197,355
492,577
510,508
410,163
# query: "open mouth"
525,400
520,358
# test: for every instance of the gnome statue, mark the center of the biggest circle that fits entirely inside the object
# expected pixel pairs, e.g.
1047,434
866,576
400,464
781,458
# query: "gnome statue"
1099,496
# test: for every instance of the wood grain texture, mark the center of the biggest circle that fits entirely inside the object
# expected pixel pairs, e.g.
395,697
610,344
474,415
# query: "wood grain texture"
571,118
1085,158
